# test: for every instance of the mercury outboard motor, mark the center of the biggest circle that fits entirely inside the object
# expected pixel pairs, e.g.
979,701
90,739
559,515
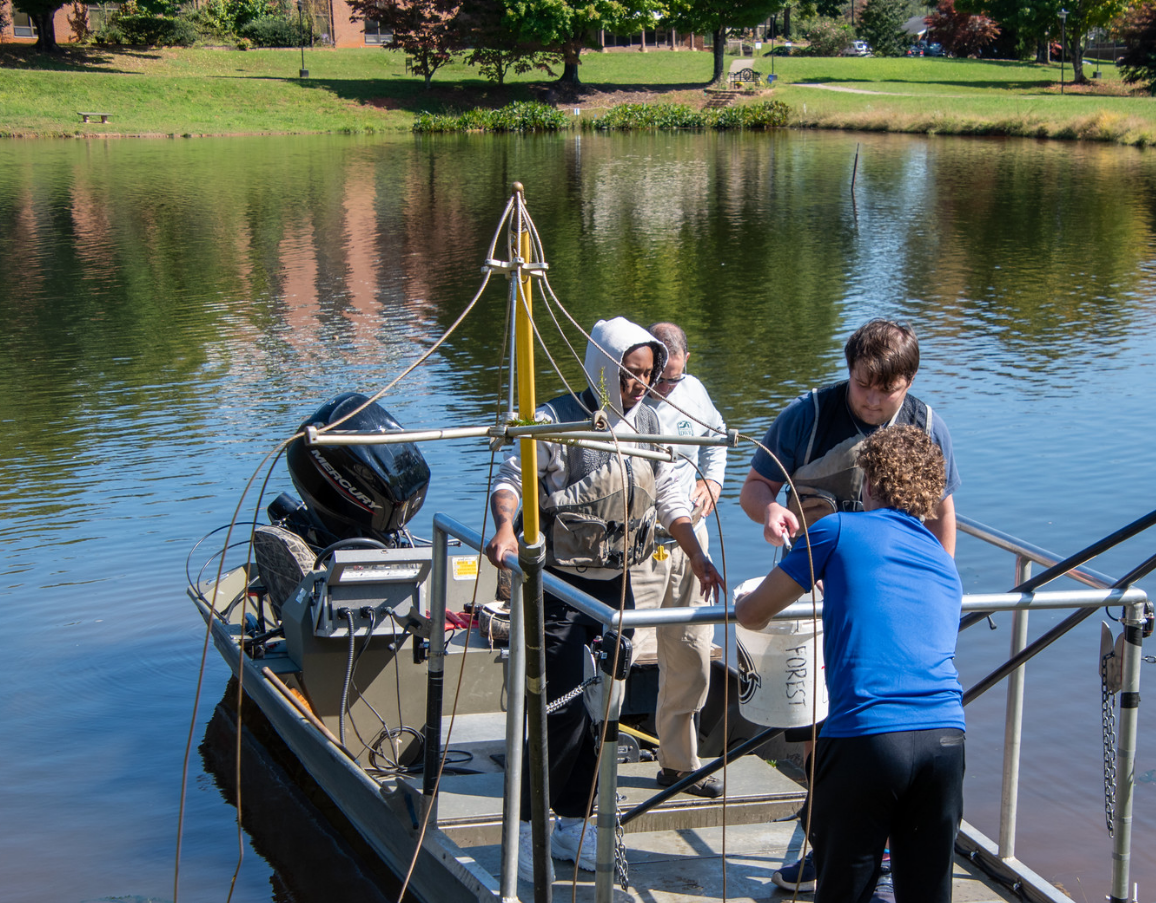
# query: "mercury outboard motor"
358,491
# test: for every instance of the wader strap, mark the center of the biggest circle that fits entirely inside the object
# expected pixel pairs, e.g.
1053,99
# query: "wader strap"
814,427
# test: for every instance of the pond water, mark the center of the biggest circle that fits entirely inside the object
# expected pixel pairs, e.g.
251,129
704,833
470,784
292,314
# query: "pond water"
170,310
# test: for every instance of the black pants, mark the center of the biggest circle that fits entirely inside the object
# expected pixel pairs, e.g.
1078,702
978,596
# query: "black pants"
572,756
907,786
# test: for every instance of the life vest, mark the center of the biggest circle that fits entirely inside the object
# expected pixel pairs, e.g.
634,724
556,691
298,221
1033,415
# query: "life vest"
587,524
830,479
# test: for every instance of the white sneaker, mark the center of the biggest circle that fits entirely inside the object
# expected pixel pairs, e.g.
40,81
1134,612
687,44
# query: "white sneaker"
526,853
564,845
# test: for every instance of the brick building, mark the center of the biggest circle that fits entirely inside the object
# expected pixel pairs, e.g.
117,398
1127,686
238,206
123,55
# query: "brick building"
332,25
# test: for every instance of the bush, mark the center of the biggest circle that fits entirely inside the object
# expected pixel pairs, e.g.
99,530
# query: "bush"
763,115
516,117
227,19
769,114
828,37
141,28
1137,30
648,116
276,31
536,117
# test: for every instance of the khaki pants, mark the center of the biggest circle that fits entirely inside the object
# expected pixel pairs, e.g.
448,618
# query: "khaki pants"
683,652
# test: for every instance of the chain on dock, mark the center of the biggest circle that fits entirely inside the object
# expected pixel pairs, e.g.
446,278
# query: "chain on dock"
1108,706
621,866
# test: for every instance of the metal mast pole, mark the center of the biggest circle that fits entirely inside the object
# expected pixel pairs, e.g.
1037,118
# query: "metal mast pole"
532,558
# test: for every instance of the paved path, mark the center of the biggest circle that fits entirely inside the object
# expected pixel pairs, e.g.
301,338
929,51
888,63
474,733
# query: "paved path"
865,91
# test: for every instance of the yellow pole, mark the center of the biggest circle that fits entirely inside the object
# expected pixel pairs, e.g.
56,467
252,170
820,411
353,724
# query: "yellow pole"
531,557
524,344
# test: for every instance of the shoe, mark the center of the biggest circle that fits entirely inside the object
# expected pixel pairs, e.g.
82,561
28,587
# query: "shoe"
564,844
709,787
800,876
526,854
884,888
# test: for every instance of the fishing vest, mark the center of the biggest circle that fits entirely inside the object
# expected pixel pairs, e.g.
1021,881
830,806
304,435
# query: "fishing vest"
829,479
605,503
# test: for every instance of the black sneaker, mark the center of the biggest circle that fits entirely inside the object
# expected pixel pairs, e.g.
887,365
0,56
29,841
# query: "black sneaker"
709,787
800,876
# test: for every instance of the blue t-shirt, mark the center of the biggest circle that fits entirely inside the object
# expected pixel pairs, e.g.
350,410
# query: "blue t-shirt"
891,606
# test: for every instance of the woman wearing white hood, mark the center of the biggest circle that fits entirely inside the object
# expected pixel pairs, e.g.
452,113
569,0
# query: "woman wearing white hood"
587,545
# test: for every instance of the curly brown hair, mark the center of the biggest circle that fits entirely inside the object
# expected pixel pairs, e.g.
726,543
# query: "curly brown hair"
905,469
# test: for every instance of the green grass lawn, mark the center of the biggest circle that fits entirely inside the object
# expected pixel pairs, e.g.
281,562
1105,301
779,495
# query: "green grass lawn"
220,91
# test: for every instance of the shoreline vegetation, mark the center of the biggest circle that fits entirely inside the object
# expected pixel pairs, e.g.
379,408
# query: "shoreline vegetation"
157,92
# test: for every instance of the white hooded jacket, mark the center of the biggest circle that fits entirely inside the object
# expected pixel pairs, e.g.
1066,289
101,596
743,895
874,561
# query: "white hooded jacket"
611,341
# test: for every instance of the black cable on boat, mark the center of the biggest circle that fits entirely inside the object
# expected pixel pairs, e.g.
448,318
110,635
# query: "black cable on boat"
348,612
356,542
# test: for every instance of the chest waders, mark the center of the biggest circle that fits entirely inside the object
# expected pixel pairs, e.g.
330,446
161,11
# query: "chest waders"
587,522
833,480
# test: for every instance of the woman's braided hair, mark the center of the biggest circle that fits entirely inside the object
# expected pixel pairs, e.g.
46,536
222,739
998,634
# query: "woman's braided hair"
905,469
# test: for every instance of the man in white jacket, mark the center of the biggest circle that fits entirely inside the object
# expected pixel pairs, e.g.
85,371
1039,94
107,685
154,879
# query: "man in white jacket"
593,547
667,580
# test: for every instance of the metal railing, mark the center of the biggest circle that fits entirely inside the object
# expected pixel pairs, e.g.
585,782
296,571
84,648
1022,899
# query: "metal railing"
998,860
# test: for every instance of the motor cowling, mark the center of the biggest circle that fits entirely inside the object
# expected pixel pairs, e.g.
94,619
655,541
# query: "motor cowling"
358,490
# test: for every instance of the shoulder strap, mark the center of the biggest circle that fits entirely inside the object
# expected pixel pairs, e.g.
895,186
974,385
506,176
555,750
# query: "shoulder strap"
814,427
929,417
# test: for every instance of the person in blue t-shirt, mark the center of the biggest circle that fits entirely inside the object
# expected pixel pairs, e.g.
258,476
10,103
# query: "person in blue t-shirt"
890,758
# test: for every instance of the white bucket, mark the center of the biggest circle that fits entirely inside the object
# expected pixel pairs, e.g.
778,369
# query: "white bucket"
781,678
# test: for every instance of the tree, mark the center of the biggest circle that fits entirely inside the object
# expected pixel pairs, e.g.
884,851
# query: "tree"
1083,16
1031,23
716,17
43,13
566,27
828,37
961,34
881,26
497,45
427,31
1137,31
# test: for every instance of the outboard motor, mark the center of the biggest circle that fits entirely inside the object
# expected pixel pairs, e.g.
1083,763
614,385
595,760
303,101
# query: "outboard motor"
358,491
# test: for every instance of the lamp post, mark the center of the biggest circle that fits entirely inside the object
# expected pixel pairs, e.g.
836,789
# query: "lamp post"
1063,45
301,36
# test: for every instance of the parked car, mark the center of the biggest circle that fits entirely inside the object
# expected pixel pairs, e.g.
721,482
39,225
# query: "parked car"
923,48
858,48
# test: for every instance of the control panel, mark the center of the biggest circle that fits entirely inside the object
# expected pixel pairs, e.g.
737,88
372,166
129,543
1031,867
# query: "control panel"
370,587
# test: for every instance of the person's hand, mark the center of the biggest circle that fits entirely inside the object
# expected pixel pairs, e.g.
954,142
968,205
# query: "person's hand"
502,543
779,522
708,576
705,496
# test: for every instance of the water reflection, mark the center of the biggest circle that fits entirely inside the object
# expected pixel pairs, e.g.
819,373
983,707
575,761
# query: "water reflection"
171,310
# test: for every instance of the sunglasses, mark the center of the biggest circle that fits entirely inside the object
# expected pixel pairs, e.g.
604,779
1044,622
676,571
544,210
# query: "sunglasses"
671,382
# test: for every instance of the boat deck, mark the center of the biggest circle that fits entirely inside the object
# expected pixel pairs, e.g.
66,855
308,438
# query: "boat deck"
675,852
685,865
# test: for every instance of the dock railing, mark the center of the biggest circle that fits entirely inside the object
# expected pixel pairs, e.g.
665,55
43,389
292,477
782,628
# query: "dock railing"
997,859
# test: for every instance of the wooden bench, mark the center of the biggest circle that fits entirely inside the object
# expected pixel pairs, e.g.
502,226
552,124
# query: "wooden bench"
84,116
